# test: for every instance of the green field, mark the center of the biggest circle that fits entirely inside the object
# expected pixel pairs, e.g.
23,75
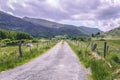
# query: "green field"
9,55
107,68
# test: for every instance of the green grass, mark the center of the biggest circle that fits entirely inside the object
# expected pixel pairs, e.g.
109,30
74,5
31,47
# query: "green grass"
9,56
114,46
100,69
113,55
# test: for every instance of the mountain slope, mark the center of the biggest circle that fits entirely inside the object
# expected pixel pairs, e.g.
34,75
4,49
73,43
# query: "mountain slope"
63,29
114,33
90,30
51,24
14,23
43,22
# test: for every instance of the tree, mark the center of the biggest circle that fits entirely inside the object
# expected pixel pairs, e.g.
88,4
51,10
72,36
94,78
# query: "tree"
3,34
98,33
6,34
22,35
93,35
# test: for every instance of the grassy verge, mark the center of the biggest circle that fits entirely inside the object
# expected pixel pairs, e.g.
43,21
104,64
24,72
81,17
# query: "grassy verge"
112,56
11,60
100,70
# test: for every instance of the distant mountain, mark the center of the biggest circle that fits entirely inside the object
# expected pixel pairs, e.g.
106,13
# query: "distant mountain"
114,32
14,23
43,29
90,30
62,29
50,24
44,22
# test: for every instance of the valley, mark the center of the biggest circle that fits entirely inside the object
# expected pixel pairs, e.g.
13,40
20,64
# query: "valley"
41,49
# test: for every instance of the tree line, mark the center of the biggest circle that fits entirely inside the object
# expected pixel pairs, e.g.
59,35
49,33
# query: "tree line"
14,35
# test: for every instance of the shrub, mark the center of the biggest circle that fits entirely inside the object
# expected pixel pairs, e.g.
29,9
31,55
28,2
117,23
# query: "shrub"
34,41
115,58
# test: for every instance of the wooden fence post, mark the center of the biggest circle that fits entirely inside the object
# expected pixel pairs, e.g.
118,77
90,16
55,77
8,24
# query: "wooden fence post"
20,49
94,47
105,49
91,45
30,49
37,45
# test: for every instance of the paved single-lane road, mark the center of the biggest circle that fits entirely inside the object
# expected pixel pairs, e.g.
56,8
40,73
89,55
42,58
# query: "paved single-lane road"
60,63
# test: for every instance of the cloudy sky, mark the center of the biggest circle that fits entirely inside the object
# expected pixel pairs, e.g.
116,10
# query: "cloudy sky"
103,14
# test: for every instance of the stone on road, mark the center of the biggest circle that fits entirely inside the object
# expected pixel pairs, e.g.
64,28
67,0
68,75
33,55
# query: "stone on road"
59,63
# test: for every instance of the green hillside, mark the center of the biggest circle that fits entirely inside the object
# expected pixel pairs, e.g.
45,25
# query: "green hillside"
114,33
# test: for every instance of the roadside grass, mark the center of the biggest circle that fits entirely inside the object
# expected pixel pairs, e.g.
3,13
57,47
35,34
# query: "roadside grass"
112,56
9,56
99,68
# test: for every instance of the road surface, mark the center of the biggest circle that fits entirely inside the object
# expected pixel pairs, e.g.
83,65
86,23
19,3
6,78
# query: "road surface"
59,63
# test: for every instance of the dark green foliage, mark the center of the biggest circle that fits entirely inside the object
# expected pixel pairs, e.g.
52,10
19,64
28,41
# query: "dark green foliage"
93,35
115,58
78,38
34,41
102,40
3,34
23,35
12,43
6,34
98,33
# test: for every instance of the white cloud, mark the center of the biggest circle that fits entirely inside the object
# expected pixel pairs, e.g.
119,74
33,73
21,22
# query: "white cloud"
10,13
87,23
53,3
90,23
13,1
9,3
83,16
107,25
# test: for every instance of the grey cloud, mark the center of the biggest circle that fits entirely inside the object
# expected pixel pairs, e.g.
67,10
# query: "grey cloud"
48,12
3,5
40,9
34,9
109,13
87,9
81,6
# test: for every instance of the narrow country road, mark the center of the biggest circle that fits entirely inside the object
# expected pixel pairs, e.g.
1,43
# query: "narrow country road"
59,63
